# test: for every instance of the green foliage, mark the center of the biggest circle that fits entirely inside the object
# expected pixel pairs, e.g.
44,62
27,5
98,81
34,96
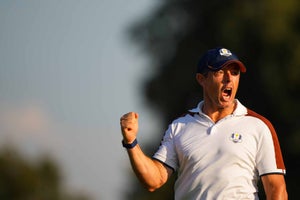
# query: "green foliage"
263,33
21,179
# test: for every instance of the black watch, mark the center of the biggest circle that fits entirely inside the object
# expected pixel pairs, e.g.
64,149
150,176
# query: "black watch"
131,145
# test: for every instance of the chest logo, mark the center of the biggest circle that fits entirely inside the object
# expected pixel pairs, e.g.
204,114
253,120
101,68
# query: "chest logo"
236,137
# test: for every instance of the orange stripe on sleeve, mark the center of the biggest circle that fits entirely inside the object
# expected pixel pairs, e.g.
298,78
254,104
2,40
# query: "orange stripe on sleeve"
278,154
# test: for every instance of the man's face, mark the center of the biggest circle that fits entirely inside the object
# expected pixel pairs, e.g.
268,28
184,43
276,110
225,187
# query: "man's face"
220,87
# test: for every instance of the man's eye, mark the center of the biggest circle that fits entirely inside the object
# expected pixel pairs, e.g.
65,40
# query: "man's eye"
235,72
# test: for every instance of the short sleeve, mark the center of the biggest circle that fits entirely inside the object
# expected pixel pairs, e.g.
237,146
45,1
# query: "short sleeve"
166,152
269,158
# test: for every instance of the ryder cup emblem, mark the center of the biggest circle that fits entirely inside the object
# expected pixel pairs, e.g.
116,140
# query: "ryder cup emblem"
225,52
236,137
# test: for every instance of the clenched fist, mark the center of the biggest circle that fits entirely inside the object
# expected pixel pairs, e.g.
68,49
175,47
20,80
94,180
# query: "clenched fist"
129,126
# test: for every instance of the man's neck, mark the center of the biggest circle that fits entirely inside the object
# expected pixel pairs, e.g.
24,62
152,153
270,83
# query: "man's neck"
216,113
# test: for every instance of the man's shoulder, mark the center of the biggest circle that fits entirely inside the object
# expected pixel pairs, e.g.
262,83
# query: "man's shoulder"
185,118
254,114
257,115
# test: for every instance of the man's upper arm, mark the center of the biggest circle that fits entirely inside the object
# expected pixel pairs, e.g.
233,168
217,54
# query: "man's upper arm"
275,187
165,170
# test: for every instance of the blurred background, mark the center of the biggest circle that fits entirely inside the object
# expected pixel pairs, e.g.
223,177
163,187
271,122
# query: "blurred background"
69,69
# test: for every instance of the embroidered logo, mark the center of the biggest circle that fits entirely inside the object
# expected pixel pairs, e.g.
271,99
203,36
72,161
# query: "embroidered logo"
236,137
225,52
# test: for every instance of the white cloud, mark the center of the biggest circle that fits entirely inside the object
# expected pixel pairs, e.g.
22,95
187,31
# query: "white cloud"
24,121
27,127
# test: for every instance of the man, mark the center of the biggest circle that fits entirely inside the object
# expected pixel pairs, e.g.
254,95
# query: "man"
220,149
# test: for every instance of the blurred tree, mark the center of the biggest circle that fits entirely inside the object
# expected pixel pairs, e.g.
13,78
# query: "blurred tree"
263,33
23,180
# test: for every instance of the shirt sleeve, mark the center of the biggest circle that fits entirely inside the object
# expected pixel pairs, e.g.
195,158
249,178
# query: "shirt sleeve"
166,152
269,157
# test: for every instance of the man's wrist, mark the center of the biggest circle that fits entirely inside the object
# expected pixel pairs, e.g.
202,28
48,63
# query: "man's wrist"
129,145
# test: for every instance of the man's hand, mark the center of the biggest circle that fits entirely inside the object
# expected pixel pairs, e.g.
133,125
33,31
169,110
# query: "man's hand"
129,126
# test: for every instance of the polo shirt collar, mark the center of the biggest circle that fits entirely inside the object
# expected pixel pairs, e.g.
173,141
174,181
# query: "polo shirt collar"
239,111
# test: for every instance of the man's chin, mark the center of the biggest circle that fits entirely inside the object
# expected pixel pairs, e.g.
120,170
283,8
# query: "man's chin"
226,104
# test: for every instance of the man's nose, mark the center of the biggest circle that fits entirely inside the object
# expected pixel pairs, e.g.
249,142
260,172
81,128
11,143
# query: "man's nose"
227,76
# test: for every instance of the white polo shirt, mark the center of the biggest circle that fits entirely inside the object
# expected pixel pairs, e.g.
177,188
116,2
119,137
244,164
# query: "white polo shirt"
220,160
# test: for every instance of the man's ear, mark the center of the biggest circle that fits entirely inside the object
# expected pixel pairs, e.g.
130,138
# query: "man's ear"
200,78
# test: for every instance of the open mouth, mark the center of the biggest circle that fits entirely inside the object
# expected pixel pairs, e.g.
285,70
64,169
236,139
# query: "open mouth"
227,92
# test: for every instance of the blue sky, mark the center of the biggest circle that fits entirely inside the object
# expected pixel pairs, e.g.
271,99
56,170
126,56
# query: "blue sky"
67,74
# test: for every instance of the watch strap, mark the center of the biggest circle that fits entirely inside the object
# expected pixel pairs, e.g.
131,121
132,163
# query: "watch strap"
131,145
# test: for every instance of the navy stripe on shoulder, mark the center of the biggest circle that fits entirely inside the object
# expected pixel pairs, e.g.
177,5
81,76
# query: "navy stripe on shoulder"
187,113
